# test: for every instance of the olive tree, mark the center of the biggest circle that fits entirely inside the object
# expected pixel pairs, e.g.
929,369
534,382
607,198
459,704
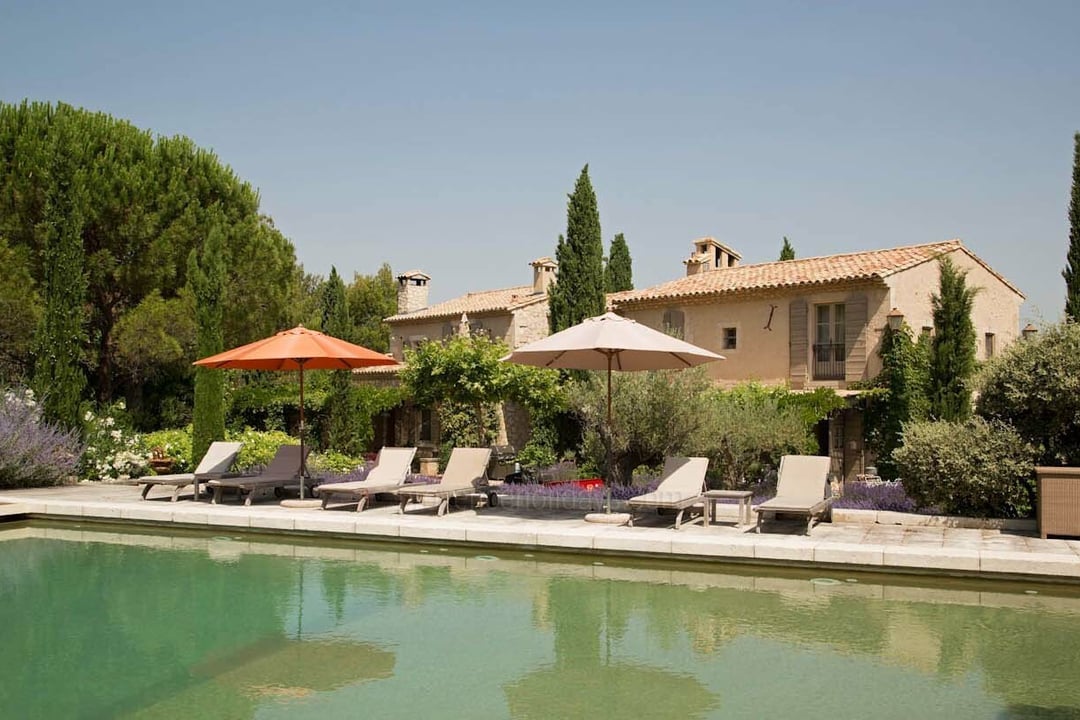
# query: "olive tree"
1034,386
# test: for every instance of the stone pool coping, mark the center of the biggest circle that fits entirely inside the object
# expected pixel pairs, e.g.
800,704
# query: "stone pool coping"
1000,553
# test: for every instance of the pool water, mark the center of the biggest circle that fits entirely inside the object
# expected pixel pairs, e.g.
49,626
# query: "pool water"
106,623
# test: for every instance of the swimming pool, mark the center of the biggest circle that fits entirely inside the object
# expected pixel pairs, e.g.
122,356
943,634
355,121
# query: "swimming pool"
101,622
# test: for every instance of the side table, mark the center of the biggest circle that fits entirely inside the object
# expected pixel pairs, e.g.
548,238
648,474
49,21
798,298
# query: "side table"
713,497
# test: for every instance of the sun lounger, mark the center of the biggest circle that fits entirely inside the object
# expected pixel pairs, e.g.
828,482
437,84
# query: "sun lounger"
682,486
802,488
216,462
283,472
391,468
466,472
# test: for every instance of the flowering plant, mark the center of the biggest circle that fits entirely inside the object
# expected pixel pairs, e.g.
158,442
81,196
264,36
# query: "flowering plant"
33,452
112,451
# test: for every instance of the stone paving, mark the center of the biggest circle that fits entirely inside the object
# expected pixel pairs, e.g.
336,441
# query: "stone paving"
856,546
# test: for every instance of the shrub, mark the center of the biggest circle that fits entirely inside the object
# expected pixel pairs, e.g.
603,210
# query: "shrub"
655,414
113,451
1035,387
749,429
333,462
975,468
176,444
259,447
33,453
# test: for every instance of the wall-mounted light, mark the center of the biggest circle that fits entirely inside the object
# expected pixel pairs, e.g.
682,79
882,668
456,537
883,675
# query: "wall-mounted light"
895,318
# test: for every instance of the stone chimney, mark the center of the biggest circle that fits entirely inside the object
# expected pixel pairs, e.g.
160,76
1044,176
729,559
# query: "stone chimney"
545,271
412,291
710,254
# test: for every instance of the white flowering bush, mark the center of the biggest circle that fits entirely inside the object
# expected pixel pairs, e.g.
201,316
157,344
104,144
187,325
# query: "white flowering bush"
113,451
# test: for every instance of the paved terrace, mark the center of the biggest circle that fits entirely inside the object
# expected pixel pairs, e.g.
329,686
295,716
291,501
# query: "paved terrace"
845,545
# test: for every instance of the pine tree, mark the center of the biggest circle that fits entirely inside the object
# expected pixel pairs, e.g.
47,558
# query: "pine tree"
207,281
619,271
1071,273
339,402
787,252
58,377
579,291
952,350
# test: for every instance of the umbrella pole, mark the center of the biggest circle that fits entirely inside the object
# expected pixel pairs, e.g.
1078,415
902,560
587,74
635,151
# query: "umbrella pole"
303,469
611,435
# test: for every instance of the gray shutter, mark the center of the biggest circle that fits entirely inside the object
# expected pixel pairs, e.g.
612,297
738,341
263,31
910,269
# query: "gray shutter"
855,338
797,342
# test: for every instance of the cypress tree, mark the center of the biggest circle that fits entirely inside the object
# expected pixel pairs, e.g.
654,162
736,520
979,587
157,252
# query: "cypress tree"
1071,273
903,378
58,378
579,291
952,350
207,281
619,271
787,252
339,405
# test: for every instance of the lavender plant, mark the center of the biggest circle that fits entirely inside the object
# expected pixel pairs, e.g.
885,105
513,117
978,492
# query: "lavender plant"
33,453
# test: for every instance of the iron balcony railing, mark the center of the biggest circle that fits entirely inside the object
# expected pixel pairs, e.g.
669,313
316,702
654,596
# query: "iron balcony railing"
829,361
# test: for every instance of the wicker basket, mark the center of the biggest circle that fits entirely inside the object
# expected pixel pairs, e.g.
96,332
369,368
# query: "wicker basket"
1059,500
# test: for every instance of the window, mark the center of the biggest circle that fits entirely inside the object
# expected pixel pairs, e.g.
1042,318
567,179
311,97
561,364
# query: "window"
730,339
989,345
829,349
674,323
425,425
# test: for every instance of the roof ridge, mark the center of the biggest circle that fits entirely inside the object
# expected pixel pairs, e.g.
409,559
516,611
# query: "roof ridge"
952,242
485,292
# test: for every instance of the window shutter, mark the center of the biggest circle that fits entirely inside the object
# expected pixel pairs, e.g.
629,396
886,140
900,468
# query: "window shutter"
797,343
855,338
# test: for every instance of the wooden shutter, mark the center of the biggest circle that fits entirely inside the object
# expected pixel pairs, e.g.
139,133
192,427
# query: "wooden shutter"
855,338
797,342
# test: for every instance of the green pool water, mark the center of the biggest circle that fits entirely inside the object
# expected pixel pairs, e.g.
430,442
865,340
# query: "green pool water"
105,623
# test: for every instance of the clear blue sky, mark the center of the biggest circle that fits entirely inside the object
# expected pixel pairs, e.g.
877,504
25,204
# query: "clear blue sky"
445,136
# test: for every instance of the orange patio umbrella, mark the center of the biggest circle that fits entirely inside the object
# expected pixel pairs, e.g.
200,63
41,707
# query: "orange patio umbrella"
297,349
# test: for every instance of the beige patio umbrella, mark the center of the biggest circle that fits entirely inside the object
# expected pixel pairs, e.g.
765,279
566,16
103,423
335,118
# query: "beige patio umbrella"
611,342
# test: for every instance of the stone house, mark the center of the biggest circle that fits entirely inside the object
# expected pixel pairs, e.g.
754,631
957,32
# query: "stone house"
817,322
515,315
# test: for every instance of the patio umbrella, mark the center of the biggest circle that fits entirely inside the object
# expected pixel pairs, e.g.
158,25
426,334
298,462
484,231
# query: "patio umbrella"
611,342
297,349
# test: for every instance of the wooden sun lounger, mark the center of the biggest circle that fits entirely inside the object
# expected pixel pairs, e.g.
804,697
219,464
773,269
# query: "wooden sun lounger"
283,472
466,473
802,488
218,459
392,466
682,487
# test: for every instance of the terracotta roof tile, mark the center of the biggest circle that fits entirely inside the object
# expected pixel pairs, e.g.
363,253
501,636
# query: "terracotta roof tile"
476,303
801,272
